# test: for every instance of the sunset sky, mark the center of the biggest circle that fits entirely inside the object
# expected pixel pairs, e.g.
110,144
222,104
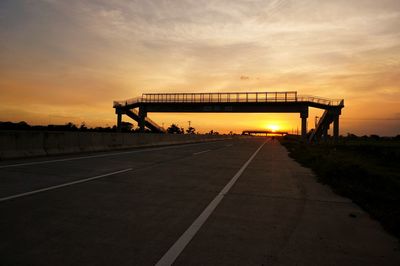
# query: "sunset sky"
67,60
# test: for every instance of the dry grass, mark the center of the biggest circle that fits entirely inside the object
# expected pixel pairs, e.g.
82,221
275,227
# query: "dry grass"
365,170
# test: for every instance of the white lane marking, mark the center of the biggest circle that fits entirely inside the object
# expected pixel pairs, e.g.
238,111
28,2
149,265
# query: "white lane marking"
200,152
62,185
100,155
187,236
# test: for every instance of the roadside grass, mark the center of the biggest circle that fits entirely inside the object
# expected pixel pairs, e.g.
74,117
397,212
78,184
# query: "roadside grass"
366,171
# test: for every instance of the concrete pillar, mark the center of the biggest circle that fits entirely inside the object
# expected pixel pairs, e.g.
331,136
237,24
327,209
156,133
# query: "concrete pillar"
142,117
336,128
325,133
304,127
119,121
303,116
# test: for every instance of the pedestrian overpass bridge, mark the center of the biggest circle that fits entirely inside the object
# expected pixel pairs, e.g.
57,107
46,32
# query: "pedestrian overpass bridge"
233,102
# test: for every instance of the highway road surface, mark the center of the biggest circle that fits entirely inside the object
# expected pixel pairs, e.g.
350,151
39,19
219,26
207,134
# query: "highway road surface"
232,202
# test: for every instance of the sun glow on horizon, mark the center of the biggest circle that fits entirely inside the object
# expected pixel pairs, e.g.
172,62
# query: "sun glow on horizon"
273,127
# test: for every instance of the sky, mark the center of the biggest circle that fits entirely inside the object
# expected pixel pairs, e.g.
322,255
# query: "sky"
67,60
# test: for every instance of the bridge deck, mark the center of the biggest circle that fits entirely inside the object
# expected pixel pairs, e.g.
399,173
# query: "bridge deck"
229,97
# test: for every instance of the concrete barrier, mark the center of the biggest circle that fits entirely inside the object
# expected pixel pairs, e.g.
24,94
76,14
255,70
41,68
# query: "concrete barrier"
23,144
19,144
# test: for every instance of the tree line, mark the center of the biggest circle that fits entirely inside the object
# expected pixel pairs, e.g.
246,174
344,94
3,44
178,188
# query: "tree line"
125,127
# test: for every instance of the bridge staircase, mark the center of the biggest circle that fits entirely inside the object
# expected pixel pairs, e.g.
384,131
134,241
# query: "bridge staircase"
321,129
150,124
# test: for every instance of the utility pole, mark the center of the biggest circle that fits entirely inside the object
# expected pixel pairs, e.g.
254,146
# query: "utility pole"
189,123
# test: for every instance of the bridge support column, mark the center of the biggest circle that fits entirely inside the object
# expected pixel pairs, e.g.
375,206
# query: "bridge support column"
336,128
325,133
303,116
119,121
142,117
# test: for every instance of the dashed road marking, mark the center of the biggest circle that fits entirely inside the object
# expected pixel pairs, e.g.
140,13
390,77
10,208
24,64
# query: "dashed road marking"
200,152
62,185
99,155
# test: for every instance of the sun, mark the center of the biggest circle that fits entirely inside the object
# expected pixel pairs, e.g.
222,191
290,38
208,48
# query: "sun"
273,127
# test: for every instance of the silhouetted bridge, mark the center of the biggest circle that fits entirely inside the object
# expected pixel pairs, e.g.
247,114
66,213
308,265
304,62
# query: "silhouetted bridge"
263,132
236,102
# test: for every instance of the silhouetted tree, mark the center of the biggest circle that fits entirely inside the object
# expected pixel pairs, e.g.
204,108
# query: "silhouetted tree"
191,130
351,136
23,125
70,126
174,129
126,126
14,126
83,127
212,132
374,137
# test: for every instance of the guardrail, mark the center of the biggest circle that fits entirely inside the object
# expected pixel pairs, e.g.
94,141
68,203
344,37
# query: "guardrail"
229,97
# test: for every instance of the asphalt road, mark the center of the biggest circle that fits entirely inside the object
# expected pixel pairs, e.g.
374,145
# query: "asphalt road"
234,202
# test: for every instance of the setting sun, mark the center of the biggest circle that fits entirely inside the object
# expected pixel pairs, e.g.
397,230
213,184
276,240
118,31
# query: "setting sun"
273,127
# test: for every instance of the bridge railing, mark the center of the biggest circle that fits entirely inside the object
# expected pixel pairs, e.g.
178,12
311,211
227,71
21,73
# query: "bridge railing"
231,97
320,100
127,102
